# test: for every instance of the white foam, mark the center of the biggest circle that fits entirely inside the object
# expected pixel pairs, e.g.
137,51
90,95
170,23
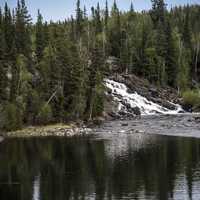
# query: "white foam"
121,95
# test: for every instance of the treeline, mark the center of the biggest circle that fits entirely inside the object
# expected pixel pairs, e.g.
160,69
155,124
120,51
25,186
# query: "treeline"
53,72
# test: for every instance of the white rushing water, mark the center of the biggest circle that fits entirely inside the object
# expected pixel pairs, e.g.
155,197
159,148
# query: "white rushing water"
121,95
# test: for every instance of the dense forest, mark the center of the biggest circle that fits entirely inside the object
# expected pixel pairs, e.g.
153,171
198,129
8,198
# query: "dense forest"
53,71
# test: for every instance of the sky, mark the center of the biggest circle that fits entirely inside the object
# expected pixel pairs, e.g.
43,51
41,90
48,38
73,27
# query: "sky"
61,9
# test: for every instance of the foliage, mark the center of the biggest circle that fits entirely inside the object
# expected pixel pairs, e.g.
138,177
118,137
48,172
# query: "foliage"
192,98
11,117
62,65
44,116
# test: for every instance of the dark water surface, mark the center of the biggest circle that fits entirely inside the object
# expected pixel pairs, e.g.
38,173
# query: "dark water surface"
121,166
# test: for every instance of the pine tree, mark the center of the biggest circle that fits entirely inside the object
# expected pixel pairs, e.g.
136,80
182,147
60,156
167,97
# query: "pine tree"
73,80
94,102
124,52
131,13
106,45
158,16
142,54
161,48
183,74
3,69
15,73
115,31
46,34
8,30
22,35
1,19
40,40
106,16
98,24
158,12
171,57
187,30
79,20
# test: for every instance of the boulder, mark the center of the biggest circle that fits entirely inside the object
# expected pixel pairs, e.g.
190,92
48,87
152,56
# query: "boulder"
1,139
197,119
136,111
154,92
124,124
98,120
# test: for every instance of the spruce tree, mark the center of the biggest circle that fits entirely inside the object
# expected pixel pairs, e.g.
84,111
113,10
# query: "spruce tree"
187,30
94,97
106,16
22,34
79,20
40,39
98,24
115,31
158,12
171,57
3,69
8,29
1,18
106,45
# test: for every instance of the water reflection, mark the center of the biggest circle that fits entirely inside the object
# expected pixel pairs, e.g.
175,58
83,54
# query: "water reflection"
36,188
123,167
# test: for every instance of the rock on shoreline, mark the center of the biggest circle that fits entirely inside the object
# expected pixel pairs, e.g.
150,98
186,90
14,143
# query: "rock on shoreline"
59,130
1,139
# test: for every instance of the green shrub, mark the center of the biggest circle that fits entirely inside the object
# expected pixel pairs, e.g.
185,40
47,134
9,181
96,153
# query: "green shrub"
12,119
192,98
45,114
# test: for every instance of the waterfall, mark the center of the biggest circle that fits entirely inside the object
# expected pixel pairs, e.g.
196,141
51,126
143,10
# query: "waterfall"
126,100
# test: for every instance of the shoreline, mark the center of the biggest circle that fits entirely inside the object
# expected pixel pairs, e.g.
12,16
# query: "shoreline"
71,130
58,130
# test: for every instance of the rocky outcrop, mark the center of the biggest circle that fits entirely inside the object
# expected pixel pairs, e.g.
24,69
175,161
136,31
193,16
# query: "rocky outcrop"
112,110
166,97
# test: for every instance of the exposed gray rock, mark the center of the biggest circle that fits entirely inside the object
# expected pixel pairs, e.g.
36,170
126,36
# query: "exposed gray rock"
1,139
136,111
197,119
162,96
124,124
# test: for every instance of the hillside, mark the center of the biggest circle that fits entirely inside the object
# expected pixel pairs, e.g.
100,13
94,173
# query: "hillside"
52,72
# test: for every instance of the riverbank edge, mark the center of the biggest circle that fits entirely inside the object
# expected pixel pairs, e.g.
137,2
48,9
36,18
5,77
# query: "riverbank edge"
58,130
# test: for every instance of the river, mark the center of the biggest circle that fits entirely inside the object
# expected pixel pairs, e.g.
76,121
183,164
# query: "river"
155,157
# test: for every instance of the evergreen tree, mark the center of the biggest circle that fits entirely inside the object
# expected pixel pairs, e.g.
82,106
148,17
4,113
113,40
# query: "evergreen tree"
1,18
183,75
40,39
171,57
187,30
8,30
158,12
98,20
79,20
106,46
106,16
15,73
3,69
115,31
73,89
94,102
22,35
